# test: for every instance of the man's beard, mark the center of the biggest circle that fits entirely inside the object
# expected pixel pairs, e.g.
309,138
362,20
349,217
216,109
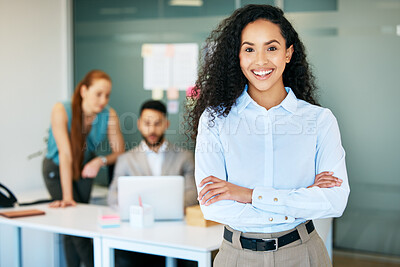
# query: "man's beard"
156,144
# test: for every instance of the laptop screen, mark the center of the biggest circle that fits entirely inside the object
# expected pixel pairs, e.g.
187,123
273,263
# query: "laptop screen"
164,193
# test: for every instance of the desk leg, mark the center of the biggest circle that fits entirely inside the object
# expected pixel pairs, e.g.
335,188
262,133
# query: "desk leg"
108,256
10,246
97,251
170,262
17,234
205,261
203,258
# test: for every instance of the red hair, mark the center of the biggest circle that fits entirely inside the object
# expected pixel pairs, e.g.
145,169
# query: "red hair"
78,131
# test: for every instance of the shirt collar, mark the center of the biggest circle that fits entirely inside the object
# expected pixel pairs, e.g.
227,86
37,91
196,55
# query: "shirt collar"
289,103
146,148
243,100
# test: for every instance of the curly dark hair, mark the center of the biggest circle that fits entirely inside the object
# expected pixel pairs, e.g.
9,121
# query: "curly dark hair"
220,81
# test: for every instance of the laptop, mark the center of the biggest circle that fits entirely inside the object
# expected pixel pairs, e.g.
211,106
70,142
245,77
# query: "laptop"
164,193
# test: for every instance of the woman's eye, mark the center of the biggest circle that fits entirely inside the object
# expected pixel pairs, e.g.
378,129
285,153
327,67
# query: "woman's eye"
271,48
249,49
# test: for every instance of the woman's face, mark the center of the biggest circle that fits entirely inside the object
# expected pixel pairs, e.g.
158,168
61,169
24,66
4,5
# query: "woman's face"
263,56
96,96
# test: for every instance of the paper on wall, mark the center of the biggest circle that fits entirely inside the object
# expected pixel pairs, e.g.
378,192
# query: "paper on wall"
169,65
157,94
185,65
156,67
173,107
172,93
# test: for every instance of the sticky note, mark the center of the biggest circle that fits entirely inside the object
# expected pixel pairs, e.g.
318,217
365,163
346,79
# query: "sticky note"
170,50
147,50
157,94
172,93
173,106
109,221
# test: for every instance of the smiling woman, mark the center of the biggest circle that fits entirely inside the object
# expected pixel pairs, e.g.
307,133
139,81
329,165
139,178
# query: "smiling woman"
77,128
263,57
268,180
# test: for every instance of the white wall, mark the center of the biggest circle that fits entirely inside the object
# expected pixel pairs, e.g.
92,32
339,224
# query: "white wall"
35,72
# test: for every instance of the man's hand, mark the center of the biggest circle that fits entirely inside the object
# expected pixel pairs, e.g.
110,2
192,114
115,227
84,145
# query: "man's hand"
217,189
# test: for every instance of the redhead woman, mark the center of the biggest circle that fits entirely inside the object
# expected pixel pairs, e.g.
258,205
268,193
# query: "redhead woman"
78,127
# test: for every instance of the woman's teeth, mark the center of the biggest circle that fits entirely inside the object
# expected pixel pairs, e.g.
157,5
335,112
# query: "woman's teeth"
262,73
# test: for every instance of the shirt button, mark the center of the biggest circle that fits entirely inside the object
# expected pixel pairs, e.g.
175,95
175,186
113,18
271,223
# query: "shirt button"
286,218
271,219
259,197
275,200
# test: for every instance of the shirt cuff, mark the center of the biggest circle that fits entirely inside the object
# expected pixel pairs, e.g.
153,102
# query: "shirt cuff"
272,200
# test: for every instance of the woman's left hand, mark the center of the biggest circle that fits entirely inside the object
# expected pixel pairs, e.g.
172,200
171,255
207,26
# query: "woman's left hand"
62,203
91,168
217,189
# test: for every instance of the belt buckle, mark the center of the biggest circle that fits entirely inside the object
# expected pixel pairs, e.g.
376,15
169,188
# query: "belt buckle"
272,239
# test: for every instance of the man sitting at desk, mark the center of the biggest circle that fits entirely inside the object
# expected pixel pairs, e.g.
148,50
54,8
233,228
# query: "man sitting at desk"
153,156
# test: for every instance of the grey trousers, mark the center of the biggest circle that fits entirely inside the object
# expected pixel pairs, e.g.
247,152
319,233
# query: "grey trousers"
76,249
308,251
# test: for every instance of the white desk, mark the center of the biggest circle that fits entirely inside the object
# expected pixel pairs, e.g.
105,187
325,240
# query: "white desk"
171,239
36,247
80,221
98,195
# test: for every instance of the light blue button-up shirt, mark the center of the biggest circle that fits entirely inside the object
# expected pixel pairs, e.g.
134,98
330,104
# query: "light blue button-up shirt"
276,152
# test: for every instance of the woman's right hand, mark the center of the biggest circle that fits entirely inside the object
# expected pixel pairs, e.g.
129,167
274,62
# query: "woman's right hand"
216,189
62,203
326,180
59,124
